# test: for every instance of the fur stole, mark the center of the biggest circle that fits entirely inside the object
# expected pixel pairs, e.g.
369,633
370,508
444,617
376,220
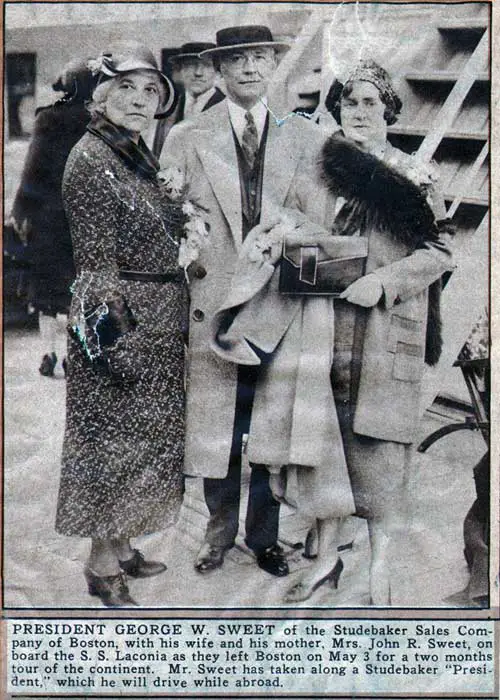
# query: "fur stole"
384,198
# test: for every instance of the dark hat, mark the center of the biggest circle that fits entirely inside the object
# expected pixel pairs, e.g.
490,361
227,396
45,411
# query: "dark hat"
191,50
75,80
373,73
126,56
246,37
370,72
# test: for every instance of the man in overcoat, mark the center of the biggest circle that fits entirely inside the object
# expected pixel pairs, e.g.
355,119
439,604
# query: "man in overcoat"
239,163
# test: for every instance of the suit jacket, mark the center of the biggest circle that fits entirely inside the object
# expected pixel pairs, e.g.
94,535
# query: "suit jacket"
164,125
204,149
217,97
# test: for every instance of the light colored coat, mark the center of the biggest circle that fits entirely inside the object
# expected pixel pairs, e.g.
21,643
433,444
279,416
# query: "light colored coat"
392,361
204,150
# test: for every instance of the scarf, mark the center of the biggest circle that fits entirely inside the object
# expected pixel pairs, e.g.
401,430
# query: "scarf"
137,156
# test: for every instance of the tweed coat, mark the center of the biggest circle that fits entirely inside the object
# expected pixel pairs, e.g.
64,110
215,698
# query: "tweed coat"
393,349
203,148
123,444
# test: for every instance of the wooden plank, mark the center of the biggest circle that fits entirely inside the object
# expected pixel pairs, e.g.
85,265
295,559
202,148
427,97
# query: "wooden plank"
463,27
466,185
458,135
443,77
279,85
454,101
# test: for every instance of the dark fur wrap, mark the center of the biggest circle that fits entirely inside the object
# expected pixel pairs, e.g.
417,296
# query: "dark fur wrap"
388,201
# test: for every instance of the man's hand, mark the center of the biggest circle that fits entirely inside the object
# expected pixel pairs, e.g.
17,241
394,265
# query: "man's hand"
367,291
265,241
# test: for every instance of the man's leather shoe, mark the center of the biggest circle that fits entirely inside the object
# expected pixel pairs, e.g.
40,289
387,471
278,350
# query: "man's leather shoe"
272,560
138,567
209,557
112,590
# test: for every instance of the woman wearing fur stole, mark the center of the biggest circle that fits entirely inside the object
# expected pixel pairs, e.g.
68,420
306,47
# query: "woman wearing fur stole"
367,347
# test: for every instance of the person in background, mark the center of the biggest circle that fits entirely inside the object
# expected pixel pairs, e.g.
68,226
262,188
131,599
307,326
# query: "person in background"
38,214
198,92
197,74
124,439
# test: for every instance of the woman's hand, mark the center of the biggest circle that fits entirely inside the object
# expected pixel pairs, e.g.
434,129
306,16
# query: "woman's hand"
367,291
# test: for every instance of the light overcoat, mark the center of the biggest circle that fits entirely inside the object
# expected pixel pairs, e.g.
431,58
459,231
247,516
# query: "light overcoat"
394,341
204,149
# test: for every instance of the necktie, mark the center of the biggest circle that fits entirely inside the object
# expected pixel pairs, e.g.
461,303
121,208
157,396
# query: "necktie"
250,139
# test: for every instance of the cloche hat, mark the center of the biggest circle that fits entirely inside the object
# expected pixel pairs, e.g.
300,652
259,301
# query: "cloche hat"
246,37
126,56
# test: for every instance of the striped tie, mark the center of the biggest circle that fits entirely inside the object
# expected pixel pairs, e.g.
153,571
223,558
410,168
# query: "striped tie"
250,140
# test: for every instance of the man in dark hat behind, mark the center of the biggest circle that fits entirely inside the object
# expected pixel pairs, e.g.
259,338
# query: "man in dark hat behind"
198,92
197,75
241,165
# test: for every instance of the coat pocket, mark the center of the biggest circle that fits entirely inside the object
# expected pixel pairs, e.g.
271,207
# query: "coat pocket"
404,330
408,364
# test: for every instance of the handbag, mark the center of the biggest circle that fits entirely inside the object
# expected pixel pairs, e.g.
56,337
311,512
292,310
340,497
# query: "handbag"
326,267
102,326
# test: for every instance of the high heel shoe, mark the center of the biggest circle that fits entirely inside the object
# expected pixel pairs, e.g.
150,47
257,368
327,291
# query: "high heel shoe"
302,591
112,590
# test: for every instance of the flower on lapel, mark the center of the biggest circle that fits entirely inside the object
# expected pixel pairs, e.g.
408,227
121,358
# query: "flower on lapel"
172,181
194,231
101,64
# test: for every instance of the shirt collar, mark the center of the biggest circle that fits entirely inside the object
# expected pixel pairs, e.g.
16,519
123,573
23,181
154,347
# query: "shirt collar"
237,116
196,105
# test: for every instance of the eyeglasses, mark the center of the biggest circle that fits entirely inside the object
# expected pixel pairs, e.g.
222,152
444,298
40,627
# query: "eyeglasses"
239,60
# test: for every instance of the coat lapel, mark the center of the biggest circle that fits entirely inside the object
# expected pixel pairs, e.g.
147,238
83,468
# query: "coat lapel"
283,152
214,144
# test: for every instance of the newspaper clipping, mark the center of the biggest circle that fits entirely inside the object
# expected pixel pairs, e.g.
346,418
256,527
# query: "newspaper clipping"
248,303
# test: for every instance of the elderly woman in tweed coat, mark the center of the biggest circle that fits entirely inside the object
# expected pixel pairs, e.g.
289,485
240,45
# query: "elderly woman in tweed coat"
123,446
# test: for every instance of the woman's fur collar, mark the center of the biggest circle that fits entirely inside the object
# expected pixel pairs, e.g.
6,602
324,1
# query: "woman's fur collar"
386,198
389,201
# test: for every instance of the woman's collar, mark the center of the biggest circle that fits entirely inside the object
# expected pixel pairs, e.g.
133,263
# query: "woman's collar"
136,155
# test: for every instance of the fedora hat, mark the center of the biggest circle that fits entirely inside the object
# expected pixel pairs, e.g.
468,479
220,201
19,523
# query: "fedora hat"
246,37
192,49
126,56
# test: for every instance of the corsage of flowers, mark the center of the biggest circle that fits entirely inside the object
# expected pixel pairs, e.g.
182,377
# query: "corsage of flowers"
424,175
194,229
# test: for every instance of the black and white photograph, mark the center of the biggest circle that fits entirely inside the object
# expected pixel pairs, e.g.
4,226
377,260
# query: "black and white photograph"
246,308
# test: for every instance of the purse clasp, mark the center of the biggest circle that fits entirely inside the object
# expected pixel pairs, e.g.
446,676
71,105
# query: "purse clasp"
308,264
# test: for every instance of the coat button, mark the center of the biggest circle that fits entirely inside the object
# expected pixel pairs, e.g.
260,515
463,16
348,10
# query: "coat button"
198,315
200,272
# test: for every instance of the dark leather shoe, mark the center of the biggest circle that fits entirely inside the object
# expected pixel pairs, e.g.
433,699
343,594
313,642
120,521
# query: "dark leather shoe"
209,557
138,567
112,590
272,560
